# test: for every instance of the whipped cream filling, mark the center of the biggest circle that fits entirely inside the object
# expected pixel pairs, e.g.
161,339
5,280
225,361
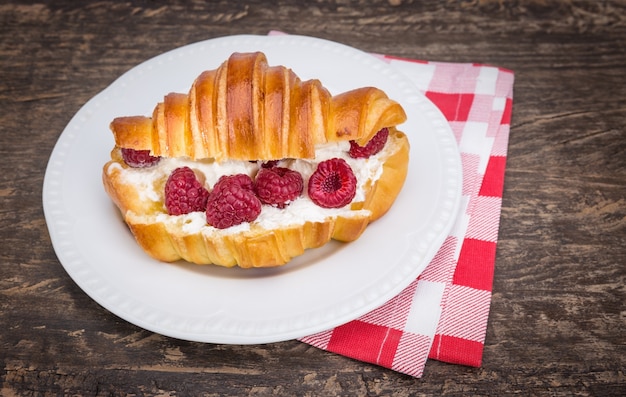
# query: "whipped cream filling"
149,183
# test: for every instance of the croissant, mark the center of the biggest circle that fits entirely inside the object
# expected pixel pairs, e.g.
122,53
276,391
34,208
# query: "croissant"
247,110
235,119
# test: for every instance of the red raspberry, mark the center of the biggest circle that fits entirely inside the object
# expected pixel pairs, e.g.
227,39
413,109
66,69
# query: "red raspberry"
184,193
372,147
269,164
333,184
139,158
278,186
232,202
240,180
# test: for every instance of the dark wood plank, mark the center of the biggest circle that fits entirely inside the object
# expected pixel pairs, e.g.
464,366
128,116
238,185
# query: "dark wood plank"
557,324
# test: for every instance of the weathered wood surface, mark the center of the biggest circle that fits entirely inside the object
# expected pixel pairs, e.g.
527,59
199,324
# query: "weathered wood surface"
558,317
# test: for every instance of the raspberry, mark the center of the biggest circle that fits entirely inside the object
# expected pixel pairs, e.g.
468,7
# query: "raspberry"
333,184
278,186
372,147
139,158
232,202
269,164
184,193
240,180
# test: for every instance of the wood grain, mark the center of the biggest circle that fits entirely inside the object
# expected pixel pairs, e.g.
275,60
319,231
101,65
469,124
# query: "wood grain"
558,322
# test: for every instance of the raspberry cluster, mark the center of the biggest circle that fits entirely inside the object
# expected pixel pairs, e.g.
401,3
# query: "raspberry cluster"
238,198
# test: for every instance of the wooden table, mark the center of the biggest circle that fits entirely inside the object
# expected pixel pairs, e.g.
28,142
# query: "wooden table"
558,320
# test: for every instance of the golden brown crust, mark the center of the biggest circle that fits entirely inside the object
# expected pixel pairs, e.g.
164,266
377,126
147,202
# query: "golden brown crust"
254,248
247,110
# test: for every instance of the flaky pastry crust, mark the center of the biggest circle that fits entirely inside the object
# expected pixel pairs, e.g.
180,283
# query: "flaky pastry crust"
247,110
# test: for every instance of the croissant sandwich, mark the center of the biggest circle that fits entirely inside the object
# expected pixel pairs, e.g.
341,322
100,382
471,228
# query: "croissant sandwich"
253,166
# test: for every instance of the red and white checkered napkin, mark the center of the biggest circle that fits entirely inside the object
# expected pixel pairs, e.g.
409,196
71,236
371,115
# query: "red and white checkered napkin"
443,314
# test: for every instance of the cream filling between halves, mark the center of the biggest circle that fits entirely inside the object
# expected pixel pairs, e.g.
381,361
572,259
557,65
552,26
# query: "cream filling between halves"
149,183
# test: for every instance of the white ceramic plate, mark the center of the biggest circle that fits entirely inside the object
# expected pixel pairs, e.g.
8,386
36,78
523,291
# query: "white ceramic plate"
325,287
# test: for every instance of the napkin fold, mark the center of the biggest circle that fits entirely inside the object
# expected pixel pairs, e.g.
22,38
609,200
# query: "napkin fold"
443,314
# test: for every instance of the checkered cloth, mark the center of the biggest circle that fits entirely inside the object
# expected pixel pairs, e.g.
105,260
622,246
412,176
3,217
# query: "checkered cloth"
443,314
